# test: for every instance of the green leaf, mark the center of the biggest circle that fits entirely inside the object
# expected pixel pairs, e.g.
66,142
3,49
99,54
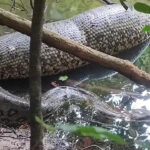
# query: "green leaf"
63,78
141,7
146,28
48,127
92,131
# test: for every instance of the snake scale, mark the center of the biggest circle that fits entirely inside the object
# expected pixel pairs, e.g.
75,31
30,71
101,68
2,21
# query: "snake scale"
110,29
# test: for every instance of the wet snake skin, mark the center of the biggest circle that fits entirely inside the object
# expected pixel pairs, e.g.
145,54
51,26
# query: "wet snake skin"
110,29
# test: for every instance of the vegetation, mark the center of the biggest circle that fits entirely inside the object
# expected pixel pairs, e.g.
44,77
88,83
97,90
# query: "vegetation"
144,62
90,131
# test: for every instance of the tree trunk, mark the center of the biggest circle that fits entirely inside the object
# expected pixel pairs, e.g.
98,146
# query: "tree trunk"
35,75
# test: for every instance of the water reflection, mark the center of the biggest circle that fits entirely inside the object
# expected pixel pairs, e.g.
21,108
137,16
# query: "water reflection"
134,98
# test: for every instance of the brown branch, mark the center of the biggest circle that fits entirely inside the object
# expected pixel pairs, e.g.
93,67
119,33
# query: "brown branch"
124,67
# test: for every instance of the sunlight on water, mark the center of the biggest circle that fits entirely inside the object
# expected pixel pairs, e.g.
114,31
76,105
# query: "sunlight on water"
135,99
141,104
147,133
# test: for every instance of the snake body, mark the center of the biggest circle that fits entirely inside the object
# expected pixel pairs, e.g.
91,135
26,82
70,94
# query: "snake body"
15,110
110,29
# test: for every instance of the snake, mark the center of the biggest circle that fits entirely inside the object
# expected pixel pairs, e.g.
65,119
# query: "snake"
110,29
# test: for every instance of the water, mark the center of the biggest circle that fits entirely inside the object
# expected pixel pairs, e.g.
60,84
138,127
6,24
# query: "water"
118,91
126,95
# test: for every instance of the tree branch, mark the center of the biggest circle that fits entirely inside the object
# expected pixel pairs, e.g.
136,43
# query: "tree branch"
52,39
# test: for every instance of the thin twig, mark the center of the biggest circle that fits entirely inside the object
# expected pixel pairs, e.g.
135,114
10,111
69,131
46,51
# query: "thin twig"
31,4
13,5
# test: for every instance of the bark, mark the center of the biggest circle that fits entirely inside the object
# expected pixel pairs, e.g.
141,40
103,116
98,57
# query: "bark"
36,142
124,67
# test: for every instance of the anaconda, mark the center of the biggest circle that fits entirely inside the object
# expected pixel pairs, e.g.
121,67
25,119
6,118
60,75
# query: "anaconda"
62,103
66,105
110,29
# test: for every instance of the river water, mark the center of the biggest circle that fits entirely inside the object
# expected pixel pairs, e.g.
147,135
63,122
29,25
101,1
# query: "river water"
117,90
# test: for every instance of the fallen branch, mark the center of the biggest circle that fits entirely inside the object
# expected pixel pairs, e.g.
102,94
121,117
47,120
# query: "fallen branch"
52,39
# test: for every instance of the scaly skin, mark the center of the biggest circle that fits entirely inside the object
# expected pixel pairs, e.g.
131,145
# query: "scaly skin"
14,111
110,29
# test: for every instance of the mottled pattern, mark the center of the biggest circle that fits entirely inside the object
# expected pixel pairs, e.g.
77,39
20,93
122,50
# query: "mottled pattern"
14,111
110,29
